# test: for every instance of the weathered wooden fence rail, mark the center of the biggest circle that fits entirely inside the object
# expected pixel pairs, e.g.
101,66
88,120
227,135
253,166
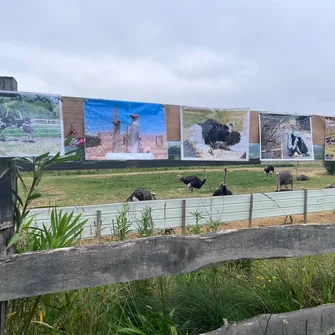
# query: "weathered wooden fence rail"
67,269
170,214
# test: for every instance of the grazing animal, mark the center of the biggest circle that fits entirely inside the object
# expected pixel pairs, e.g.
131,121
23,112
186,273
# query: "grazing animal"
214,131
331,185
283,190
269,170
285,178
296,145
300,177
192,182
141,194
222,190
134,134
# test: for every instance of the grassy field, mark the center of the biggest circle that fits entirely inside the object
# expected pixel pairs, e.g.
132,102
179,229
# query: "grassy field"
84,188
186,304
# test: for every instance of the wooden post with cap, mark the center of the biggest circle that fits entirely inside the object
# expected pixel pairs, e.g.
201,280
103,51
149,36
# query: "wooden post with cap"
7,202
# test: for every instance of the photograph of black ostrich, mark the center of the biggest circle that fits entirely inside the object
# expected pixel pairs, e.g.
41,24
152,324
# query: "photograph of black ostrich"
269,170
284,190
296,145
214,132
223,190
192,182
141,194
25,124
300,177
285,178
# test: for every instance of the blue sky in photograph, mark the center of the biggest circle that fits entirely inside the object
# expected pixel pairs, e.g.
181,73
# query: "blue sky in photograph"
99,115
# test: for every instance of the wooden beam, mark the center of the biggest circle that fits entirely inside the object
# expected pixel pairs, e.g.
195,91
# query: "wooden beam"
74,268
7,200
251,209
316,320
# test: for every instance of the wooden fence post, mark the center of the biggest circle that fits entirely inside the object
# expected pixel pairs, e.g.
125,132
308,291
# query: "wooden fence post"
183,216
7,201
98,226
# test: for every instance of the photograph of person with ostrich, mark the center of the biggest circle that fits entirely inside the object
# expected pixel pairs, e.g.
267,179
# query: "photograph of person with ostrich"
124,130
214,134
285,137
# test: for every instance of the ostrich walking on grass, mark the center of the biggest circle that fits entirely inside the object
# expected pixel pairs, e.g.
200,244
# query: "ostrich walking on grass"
192,182
141,194
223,190
285,178
284,190
5,122
269,170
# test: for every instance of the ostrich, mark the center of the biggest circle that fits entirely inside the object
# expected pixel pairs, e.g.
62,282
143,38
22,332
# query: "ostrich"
331,185
269,170
141,194
134,134
222,190
285,178
301,177
214,131
192,182
281,190
296,145
25,125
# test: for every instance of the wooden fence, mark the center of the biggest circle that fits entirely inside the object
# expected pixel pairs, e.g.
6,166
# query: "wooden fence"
59,270
176,213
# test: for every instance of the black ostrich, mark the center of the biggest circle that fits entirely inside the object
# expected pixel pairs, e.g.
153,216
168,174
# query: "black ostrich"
222,190
285,176
141,194
300,177
25,125
192,182
214,131
269,170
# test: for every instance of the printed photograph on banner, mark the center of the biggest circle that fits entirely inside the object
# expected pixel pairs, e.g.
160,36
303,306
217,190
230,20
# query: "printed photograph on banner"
285,137
329,138
214,134
30,124
124,130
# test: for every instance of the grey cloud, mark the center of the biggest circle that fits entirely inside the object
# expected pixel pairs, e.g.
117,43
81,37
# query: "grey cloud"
270,55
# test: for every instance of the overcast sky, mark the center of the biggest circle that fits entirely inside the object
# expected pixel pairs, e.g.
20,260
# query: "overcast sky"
264,54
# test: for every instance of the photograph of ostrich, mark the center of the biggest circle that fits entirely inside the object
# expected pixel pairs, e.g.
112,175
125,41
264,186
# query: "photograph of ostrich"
285,137
122,130
30,125
192,182
214,134
141,194
223,190
284,178
329,138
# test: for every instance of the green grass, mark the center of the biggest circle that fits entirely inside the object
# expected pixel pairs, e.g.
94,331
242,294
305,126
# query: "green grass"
115,186
188,303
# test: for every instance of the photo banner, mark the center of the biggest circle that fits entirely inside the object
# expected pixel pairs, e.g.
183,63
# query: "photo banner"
285,137
329,138
30,124
124,130
214,134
